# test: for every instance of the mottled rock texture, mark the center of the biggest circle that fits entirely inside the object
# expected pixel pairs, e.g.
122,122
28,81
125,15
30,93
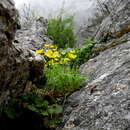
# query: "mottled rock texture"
19,64
110,18
33,36
104,103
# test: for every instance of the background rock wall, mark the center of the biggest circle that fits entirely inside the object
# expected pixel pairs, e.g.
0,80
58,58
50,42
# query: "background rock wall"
112,16
104,103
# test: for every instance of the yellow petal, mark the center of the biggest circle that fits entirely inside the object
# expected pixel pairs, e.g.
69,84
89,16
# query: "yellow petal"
72,56
56,59
40,51
72,51
49,53
54,49
47,45
56,54
61,62
66,60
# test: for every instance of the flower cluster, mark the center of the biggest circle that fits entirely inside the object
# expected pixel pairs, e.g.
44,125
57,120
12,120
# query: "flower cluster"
54,56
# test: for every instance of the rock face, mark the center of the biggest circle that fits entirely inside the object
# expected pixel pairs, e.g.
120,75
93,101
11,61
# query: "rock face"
104,103
110,17
34,36
19,64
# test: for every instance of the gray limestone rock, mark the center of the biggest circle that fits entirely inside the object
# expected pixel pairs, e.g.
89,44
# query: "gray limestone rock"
19,64
104,103
110,24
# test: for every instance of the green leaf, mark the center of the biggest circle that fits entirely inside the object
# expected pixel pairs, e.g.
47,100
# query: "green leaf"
11,112
42,104
44,113
55,109
32,108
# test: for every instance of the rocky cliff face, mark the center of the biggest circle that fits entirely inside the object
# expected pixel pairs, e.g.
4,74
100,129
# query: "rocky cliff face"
104,103
19,64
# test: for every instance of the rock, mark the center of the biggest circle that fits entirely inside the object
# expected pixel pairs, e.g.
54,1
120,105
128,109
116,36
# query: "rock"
33,36
19,64
110,24
116,24
104,103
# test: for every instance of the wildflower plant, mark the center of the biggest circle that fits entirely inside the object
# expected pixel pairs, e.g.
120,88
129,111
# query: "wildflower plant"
54,56
62,78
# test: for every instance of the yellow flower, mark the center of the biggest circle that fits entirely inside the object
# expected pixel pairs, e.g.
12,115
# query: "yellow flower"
72,51
55,49
49,53
47,45
71,56
52,62
40,51
56,54
66,60
53,46
61,62
56,59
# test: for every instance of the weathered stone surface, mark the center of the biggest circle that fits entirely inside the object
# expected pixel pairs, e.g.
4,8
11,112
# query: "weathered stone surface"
33,36
117,23
19,64
104,103
110,21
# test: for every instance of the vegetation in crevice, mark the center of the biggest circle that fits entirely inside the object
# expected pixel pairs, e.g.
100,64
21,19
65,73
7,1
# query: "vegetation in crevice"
84,53
61,29
42,102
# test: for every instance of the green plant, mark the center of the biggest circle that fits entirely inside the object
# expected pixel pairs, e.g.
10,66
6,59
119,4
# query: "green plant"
61,29
62,79
62,76
38,103
83,53
12,110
